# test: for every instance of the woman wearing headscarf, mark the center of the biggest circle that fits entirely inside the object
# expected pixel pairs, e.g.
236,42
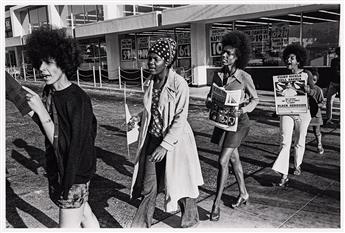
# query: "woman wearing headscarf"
167,159
235,56
295,57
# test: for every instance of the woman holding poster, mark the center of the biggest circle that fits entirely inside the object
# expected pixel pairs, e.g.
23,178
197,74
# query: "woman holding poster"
167,158
235,56
295,57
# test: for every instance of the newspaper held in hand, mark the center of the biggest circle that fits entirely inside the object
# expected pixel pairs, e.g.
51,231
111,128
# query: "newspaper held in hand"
289,95
224,105
132,135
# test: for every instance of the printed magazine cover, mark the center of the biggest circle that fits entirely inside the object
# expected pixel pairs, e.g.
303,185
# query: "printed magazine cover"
289,94
223,106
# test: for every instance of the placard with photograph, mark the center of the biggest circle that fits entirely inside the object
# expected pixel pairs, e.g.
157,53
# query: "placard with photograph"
289,94
224,104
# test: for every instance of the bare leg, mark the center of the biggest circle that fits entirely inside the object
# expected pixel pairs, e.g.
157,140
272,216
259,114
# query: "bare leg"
223,172
89,219
71,218
318,136
238,170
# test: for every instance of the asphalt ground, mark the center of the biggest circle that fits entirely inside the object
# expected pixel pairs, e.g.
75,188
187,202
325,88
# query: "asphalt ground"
312,200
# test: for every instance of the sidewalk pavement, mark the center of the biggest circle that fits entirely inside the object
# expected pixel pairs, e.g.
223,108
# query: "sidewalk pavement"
312,200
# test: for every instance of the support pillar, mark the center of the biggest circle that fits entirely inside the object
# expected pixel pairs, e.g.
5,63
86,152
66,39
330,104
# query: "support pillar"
199,54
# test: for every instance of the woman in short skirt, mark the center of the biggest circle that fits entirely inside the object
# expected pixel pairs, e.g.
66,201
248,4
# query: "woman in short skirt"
235,57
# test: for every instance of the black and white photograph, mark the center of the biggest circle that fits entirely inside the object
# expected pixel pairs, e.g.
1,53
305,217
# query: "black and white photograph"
194,116
289,93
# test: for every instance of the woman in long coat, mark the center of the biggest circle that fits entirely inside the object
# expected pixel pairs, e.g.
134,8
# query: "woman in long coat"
167,158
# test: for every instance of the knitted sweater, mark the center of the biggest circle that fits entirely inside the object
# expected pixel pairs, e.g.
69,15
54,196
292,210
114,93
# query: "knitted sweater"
76,136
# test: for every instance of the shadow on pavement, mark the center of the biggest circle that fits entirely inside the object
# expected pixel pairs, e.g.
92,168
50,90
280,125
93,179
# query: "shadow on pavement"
36,162
101,190
119,131
114,160
14,202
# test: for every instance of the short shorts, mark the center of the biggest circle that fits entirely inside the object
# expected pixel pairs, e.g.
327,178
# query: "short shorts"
78,194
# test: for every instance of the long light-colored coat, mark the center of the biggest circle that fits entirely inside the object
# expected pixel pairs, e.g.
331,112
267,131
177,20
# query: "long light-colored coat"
182,171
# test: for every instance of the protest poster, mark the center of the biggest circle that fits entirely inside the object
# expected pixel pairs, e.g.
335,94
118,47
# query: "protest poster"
224,105
289,95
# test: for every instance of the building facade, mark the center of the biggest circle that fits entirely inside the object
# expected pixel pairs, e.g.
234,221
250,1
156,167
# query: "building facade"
115,37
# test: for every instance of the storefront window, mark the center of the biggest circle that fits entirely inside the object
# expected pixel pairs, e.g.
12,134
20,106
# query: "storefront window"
145,8
38,17
134,49
320,39
94,53
78,14
8,28
270,35
84,14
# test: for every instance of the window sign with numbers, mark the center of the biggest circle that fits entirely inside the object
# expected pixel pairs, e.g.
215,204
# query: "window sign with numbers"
126,49
143,47
215,41
279,36
183,45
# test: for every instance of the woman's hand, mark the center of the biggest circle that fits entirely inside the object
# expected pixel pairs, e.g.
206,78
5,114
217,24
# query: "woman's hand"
34,101
208,102
158,154
304,90
131,123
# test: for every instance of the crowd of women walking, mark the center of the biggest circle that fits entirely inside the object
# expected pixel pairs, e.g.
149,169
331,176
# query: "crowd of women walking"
167,158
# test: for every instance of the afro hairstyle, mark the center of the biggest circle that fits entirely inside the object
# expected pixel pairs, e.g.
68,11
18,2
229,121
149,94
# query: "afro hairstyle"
299,51
240,41
47,43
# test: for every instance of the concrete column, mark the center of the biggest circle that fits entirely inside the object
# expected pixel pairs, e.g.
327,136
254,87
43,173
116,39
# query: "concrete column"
54,16
113,11
199,54
18,55
113,54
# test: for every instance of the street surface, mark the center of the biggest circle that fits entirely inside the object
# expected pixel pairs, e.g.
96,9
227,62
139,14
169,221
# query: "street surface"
312,200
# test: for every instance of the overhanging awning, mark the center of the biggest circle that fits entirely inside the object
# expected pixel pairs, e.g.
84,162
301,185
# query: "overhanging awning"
123,24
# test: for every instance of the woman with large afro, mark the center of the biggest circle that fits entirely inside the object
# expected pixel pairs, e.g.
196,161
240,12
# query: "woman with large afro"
66,118
235,56
295,57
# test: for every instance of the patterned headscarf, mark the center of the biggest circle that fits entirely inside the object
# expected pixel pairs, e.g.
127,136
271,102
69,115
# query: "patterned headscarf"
165,48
